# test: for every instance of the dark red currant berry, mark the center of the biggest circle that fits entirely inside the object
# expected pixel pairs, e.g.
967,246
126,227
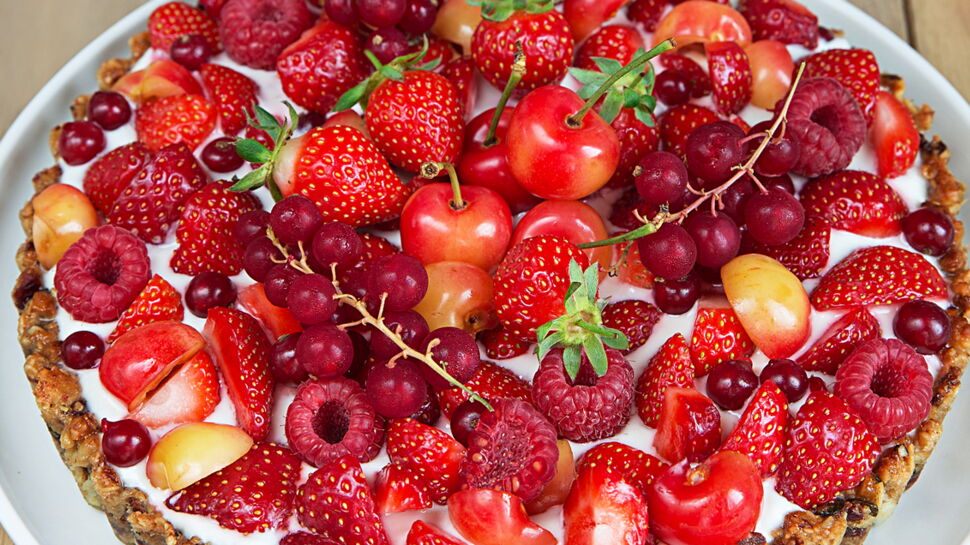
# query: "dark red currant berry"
717,237
191,51
713,151
343,12
336,243
82,350
408,324
677,296
731,383
220,155
672,87
456,351
396,391
209,290
325,350
789,376
125,442
400,279
295,219
250,226
283,364
310,299
109,109
278,281
419,16
465,418
923,325
80,141
259,258
774,217
387,44
662,178
668,253
929,230
381,13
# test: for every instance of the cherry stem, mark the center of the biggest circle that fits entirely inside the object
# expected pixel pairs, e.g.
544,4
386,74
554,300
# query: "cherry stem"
637,63
431,170
518,70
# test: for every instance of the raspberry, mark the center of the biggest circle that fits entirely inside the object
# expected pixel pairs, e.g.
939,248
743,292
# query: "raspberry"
888,384
589,408
255,32
330,418
101,274
513,449
827,123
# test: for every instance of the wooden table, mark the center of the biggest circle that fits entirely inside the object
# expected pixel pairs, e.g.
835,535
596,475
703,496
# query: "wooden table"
39,36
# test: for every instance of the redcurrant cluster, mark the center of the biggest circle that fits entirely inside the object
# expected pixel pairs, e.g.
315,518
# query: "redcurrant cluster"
393,21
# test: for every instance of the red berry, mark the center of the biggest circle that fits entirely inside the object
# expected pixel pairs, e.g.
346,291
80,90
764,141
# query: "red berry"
828,125
82,350
760,433
398,391
855,201
125,442
283,363
191,51
788,376
730,384
80,141
929,231
325,350
208,290
774,217
922,325
220,155
453,349
668,253
677,296
255,32
109,109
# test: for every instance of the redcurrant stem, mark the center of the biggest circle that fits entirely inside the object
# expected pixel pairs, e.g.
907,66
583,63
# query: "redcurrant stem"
432,170
637,63
518,70
639,232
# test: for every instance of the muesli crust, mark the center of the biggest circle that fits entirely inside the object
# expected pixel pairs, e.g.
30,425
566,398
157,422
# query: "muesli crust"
135,521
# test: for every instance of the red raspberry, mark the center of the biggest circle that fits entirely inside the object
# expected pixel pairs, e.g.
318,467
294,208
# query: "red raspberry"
255,32
330,418
590,407
827,123
101,274
888,384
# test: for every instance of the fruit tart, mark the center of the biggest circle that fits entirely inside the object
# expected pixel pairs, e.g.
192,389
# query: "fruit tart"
420,272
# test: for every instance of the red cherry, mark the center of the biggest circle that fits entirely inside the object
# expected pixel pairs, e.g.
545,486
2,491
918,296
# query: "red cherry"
574,221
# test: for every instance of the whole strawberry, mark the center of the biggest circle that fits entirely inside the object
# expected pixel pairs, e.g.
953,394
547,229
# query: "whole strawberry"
321,66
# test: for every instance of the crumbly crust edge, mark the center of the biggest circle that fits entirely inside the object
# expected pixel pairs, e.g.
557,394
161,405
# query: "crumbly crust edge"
135,521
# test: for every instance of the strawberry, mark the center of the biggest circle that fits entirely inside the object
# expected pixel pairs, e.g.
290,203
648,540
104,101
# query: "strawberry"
152,201
336,502
416,120
646,13
423,533
784,20
677,123
461,73
190,394
188,119
175,19
670,367
499,345
718,336
305,538
204,234
491,381
531,283
636,140
276,321
894,135
700,82
805,256
618,42
158,301
855,69
438,49
634,318
322,65
433,455
241,350
760,433
855,201
634,465
878,275
398,489
603,507
818,466
111,173
630,269
730,75
839,340
233,93
689,427
253,494
547,45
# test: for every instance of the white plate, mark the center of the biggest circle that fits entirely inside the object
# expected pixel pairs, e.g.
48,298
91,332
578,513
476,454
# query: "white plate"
39,501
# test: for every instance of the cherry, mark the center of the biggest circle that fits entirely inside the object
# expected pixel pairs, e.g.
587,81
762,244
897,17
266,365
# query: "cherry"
325,350
731,383
713,151
387,44
311,299
456,351
574,221
343,12
774,217
668,253
336,243
250,226
677,296
400,279
258,258
459,295
283,363
672,87
125,442
220,155
419,16
464,419
662,179
408,324
209,290
923,325
191,51
717,237
771,72
295,219
82,350
398,391
929,231
80,141
109,109
789,376
381,13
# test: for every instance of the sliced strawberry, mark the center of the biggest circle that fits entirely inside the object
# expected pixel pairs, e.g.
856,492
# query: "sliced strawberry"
233,94
107,177
634,318
428,452
839,340
175,19
423,533
828,450
158,301
677,123
636,140
878,275
499,345
760,433
150,204
634,465
894,135
855,69
491,381
617,42
690,426
276,321
671,367
204,234
253,494
398,489
190,394
461,73
241,350
784,20
718,336
603,507
630,269
855,201
730,75
336,502
805,255
305,538
188,119
700,82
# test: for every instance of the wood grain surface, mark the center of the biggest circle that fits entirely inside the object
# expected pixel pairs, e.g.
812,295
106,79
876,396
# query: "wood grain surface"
38,36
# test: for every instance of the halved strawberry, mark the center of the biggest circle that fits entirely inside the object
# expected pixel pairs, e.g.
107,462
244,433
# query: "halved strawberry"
491,381
633,318
158,301
784,20
894,135
878,275
718,336
700,82
634,465
277,321
175,19
253,494
430,453
760,433
617,42
233,94
337,503
188,119
305,538
730,75
689,428
603,507
677,123
630,269
461,73
204,234
839,340
241,350
805,255
398,489
190,394
672,366
423,533
499,345
107,177
818,466
855,69
856,201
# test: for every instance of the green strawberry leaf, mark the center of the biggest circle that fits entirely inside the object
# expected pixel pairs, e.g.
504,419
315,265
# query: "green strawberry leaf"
252,151
611,106
644,115
607,65
351,97
253,179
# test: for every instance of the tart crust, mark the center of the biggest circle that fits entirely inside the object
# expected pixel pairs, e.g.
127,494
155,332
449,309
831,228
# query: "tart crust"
844,521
